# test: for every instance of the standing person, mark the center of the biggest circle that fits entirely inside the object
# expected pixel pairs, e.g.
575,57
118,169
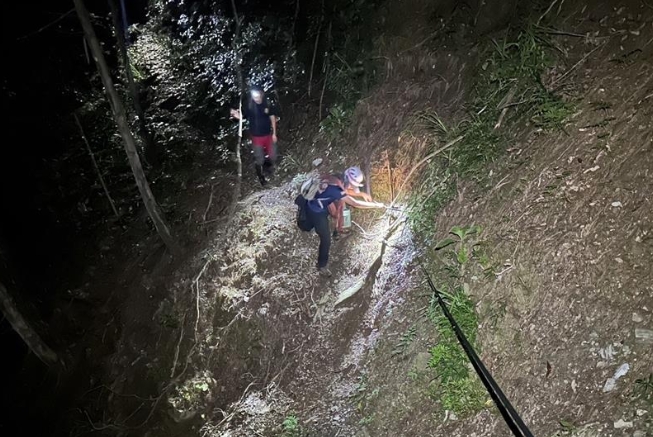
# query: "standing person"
262,119
330,191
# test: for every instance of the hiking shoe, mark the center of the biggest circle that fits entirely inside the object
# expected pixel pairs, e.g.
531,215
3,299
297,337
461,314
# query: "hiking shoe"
335,236
323,271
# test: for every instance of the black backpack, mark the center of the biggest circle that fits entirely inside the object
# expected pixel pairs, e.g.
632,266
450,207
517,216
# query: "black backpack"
303,220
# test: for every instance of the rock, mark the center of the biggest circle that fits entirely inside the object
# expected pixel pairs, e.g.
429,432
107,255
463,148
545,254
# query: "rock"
621,371
620,424
617,204
317,162
637,318
610,384
643,335
639,434
640,413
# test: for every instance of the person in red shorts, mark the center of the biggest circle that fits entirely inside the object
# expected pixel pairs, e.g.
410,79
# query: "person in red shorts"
262,119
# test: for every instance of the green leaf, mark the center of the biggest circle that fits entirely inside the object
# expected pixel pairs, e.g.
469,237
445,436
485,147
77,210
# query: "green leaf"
567,425
476,229
462,255
444,243
458,231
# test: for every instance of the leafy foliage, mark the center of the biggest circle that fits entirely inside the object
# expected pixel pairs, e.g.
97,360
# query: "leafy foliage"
457,388
336,122
291,427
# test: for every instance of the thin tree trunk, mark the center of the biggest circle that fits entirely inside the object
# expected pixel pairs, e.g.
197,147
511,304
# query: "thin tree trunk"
241,86
367,170
392,185
143,131
123,127
294,22
326,67
26,332
95,165
317,40
326,78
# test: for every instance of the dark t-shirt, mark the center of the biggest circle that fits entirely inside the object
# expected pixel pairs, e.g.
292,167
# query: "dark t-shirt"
322,200
258,116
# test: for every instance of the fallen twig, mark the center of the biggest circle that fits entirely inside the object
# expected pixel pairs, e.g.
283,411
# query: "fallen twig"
505,103
181,336
208,207
577,63
422,161
197,294
547,11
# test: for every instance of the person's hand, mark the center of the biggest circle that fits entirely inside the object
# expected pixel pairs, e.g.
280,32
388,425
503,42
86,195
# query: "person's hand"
235,113
274,138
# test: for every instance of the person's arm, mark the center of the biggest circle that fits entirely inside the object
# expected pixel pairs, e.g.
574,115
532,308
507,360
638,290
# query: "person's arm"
361,204
273,120
366,197
235,113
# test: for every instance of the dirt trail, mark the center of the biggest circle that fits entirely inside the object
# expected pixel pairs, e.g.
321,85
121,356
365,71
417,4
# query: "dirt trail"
568,224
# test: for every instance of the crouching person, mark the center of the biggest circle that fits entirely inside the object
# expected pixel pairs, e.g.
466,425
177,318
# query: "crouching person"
320,195
351,181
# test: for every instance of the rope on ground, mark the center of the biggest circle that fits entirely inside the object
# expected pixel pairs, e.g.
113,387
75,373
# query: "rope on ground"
510,416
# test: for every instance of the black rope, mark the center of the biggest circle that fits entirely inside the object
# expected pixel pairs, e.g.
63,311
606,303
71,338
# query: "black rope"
513,420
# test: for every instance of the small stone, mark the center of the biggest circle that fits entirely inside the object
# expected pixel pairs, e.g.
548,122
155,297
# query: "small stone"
621,371
637,318
639,434
610,384
640,413
617,204
620,424
619,260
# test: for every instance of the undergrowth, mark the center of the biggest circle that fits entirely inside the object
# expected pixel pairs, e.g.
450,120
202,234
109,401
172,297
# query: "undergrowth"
291,427
508,91
456,387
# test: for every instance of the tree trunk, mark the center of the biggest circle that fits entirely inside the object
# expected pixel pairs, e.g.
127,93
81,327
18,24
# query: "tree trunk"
294,22
241,86
146,136
26,332
96,166
317,40
367,171
123,127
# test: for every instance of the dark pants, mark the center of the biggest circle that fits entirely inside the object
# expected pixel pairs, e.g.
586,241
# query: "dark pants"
321,223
